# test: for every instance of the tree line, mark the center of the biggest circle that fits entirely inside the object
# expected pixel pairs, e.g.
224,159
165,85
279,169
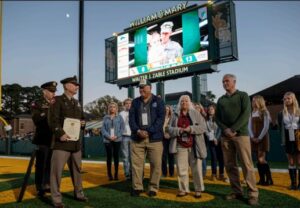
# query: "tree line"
17,100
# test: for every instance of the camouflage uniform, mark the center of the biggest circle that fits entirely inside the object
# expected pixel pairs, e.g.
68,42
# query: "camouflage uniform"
172,50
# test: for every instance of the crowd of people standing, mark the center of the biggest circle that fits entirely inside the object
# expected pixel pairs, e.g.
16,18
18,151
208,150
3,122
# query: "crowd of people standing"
146,128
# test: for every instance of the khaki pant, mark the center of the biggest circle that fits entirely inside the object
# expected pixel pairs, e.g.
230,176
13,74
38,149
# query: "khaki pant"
184,158
153,151
58,161
239,146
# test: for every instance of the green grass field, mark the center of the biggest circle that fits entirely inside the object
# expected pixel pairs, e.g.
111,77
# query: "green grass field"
103,193
117,195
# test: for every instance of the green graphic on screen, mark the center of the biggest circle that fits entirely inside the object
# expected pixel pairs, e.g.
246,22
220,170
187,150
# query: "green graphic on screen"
140,46
191,32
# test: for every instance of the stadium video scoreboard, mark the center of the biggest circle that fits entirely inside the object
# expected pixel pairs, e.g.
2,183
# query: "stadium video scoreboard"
176,42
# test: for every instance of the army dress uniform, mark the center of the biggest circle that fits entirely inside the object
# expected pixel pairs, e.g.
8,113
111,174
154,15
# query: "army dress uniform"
65,151
42,138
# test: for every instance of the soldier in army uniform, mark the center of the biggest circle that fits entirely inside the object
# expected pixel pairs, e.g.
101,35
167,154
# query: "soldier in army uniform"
43,137
172,49
64,149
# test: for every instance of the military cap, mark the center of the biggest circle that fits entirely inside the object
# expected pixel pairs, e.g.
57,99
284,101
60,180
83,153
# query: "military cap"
51,86
144,82
72,80
166,27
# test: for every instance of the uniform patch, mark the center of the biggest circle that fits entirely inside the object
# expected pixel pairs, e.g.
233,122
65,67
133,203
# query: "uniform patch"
53,101
45,106
154,105
34,105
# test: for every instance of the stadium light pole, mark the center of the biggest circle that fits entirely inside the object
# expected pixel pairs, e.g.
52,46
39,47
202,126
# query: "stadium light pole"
80,68
1,11
81,39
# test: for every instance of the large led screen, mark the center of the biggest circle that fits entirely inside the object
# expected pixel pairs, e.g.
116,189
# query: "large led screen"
176,41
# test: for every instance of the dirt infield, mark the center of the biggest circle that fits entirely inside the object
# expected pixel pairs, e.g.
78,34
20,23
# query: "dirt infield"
94,174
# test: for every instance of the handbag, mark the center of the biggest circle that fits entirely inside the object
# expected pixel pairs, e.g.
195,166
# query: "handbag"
297,139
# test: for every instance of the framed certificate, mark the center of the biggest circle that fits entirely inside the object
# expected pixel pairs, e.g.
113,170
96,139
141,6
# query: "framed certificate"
72,128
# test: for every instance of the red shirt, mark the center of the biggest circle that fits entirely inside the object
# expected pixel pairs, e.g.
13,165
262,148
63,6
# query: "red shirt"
184,122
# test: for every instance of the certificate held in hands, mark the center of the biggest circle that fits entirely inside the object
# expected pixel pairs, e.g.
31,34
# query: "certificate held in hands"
72,128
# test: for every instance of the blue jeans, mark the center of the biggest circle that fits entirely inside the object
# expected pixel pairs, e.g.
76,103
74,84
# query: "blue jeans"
204,160
167,158
216,157
125,148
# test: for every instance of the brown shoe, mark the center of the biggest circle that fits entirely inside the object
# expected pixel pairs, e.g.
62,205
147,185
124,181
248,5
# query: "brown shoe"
253,201
152,193
47,188
82,199
223,178
234,196
197,194
214,178
181,194
59,205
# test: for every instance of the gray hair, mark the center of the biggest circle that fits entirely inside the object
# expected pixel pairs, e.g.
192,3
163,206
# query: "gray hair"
191,106
230,75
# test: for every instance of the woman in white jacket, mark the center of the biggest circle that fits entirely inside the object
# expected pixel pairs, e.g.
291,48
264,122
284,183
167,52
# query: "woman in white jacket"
187,132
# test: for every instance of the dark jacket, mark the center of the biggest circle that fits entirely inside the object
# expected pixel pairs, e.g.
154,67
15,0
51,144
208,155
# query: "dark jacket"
157,113
61,109
43,133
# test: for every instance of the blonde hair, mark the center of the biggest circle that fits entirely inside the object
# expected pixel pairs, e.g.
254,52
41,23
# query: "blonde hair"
296,110
260,105
198,105
170,110
115,104
127,99
191,106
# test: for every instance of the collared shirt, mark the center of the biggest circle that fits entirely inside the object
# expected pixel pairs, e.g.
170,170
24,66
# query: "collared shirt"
69,97
291,121
125,115
145,108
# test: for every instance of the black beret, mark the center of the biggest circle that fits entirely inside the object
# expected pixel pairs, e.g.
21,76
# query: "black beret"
72,80
51,86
